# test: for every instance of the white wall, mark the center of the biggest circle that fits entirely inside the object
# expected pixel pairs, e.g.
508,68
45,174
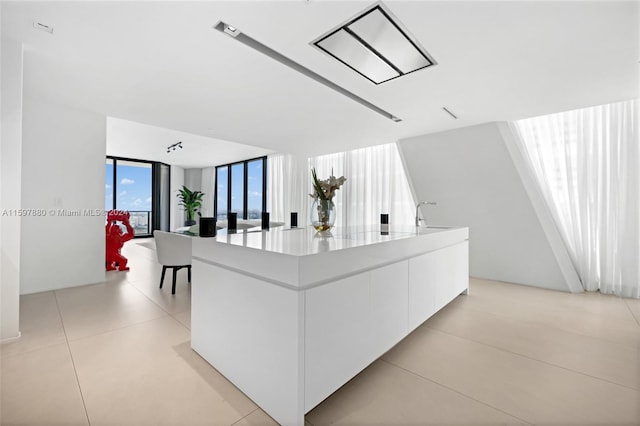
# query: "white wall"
62,169
193,179
10,186
177,213
136,140
470,174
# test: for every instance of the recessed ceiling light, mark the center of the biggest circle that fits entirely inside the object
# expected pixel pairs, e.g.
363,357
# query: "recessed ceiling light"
375,45
232,31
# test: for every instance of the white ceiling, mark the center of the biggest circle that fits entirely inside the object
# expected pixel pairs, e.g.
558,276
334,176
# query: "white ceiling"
162,64
129,139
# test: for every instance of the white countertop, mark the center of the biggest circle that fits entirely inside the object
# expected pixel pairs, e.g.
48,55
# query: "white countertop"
306,241
301,258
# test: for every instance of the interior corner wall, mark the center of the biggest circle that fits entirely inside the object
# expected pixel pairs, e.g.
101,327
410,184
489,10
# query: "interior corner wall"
177,213
471,176
63,172
193,179
10,186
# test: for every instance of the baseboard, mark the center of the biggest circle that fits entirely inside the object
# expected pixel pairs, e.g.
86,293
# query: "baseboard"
11,339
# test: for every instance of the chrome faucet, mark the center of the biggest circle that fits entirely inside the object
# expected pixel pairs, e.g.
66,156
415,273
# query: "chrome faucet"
429,203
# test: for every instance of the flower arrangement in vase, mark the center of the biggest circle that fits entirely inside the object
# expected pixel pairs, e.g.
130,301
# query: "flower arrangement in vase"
323,214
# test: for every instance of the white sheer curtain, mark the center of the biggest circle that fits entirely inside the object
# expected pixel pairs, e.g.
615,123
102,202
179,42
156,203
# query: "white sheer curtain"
376,183
587,163
208,176
287,188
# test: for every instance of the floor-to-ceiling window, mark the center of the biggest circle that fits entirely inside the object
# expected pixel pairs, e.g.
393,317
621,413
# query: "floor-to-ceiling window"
255,188
141,188
240,188
237,189
222,185
108,185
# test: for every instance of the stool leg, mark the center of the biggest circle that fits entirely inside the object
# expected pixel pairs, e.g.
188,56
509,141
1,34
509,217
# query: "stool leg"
164,269
173,288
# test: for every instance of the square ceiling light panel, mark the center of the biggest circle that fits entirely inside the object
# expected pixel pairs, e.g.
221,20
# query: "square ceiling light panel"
376,46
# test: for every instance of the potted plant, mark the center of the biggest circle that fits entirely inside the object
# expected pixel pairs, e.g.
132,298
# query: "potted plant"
191,201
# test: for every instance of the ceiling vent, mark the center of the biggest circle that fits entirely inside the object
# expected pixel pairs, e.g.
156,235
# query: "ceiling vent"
375,45
43,27
455,117
241,37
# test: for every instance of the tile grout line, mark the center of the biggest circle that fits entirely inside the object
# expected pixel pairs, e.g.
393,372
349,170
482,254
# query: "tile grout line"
29,351
244,417
147,297
159,306
123,327
73,364
549,326
455,391
168,314
130,283
534,359
632,314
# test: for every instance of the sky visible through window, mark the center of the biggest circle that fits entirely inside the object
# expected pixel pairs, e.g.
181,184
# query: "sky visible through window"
108,186
133,192
237,189
254,189
134,188
222,192
232,185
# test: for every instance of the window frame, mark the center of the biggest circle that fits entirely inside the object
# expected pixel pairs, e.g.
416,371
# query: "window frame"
156,222
245,201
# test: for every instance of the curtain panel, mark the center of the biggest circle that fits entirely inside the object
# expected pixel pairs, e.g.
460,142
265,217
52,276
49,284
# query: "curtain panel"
207,185
587,164
376,183
287,189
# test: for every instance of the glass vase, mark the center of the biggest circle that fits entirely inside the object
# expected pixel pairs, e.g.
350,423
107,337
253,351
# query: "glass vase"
323,215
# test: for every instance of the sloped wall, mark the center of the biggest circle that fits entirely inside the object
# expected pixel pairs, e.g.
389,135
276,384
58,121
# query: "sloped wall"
471,175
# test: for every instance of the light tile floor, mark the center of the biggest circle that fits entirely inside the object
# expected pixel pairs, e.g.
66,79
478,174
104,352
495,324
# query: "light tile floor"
118,353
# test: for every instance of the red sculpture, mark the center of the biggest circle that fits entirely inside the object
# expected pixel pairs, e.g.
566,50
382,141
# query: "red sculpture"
116,239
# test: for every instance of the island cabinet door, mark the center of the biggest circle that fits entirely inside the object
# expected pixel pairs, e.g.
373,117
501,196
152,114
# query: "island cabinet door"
250,331
389,308
349,324
336,335
456,280
435,279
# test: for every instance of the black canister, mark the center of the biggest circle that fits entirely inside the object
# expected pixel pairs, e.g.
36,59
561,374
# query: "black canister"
232,222
384,223
207,227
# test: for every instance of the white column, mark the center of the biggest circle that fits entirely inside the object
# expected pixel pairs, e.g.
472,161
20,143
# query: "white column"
10,187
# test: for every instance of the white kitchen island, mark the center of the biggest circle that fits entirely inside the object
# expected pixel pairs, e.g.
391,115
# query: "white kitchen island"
289,316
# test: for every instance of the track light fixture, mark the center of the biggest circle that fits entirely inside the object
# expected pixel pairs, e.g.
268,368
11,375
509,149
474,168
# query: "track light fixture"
174,146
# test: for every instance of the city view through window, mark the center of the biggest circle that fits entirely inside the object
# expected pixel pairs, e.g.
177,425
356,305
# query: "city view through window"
242,186
132,187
